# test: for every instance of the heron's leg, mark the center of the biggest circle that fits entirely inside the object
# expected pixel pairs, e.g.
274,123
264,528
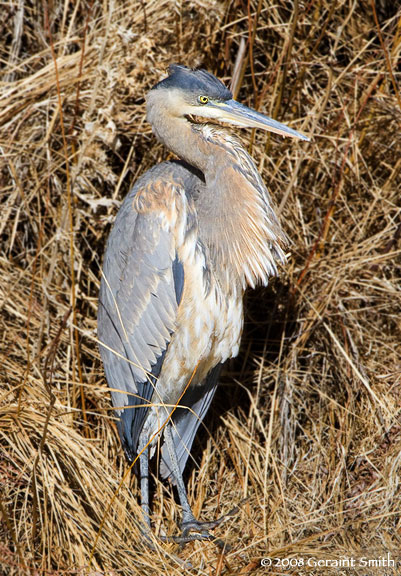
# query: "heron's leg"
189,522
144,481
187,514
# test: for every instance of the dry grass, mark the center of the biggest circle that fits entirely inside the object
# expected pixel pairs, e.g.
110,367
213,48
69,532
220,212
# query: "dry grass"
306,424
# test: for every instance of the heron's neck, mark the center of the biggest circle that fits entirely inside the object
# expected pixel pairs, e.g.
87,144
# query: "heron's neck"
177,134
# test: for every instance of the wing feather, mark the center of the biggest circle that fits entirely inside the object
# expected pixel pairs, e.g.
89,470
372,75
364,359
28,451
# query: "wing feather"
185,422
140,292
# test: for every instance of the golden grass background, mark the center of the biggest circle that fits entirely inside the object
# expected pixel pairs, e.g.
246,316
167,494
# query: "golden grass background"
306,425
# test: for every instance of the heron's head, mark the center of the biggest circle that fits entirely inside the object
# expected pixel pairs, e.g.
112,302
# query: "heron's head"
186,92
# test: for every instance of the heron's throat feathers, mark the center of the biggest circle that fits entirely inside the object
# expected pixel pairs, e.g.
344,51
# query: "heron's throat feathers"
236,216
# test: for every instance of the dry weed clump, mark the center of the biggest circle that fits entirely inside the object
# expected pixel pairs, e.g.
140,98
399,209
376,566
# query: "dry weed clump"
305,430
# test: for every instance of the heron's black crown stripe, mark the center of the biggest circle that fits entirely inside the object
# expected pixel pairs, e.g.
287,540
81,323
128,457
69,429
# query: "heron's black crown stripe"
200,82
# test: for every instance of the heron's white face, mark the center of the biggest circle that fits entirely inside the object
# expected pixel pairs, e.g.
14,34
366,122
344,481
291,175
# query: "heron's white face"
177,103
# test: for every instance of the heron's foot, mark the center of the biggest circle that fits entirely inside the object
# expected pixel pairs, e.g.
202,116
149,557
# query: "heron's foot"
201,528
196,530
193,529
188,536
193,536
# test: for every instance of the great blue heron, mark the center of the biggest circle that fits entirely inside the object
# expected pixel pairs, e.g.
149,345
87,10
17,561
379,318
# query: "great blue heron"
188,239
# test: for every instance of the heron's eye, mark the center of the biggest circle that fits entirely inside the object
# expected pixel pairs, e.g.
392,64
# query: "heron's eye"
203,99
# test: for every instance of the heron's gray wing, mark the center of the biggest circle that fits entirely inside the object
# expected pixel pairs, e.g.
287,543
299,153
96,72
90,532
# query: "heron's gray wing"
186,422
140,292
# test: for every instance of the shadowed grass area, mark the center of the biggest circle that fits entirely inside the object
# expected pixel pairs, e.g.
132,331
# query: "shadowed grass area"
305,430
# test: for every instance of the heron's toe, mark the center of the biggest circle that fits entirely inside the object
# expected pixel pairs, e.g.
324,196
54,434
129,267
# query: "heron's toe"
195,530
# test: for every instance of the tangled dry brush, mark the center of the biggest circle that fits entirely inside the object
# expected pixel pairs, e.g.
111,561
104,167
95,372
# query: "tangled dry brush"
305,430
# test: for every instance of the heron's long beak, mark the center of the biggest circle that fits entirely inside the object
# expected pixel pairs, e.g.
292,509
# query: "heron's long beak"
236,113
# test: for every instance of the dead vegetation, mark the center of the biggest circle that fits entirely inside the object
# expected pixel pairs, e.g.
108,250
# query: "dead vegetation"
305,428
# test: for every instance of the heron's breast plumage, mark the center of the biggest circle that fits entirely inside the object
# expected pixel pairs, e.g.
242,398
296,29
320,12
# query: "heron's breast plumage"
208,330
209,320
